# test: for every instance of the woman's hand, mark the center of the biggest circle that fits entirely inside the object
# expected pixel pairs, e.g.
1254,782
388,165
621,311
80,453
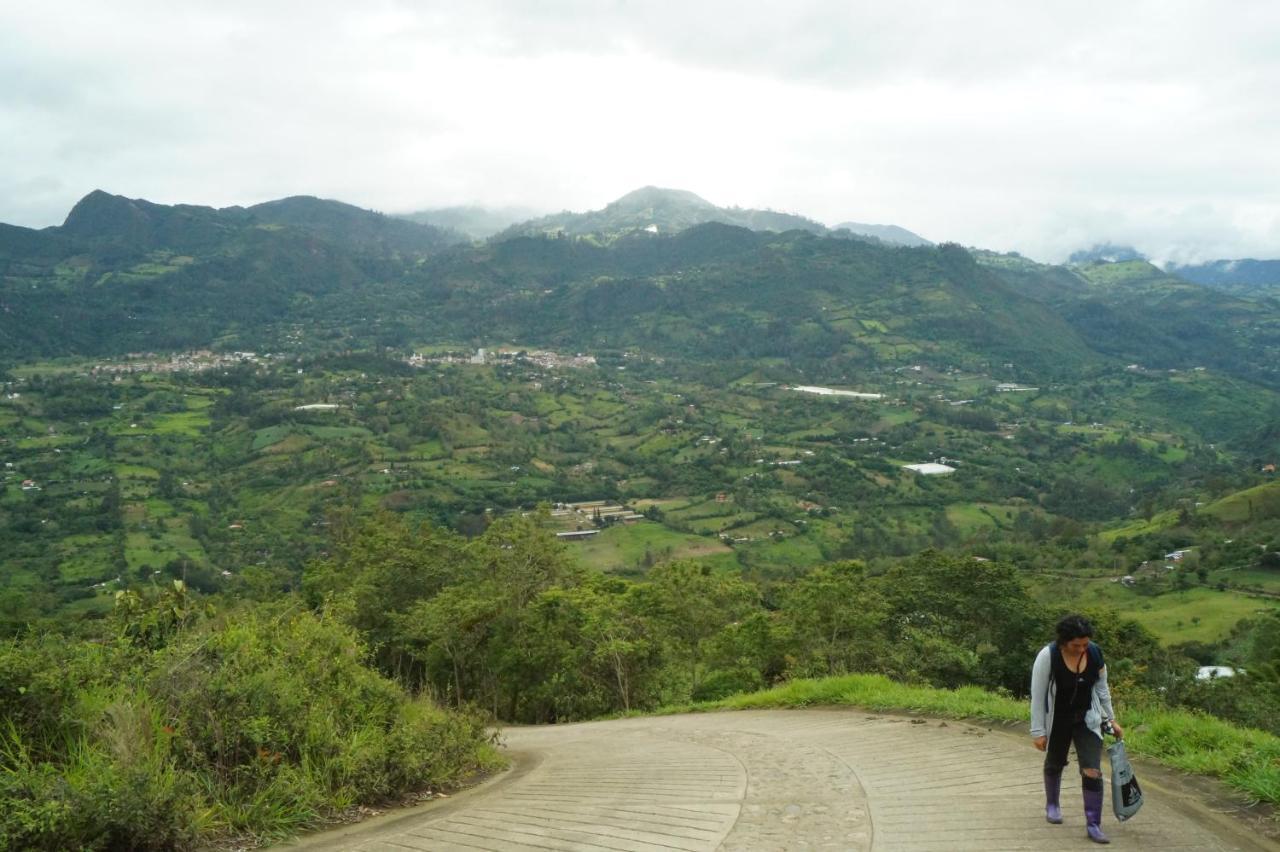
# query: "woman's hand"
1040,742
1116,730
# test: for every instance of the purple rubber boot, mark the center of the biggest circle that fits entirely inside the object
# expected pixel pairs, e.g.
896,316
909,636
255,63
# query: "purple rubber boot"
1052,786
1093,815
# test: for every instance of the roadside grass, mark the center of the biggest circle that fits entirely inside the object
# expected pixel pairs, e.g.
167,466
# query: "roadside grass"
1246,759
873,692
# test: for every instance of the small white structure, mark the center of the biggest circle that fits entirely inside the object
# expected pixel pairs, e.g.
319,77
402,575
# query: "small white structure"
930,468
480,357
1010,387
1213,672
1176,556
574,535
317,406
833,392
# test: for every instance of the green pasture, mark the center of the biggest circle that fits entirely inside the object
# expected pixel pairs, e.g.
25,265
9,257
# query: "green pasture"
624,546
1267,580
969,517
325,433
1192,615
263,438
136,471
1258,503
1159,521
786,554
186,423
86,558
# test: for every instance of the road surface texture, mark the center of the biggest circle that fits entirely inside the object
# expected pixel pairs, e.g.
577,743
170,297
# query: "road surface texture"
768,780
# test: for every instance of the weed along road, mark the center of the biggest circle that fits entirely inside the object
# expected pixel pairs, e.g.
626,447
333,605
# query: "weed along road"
838,779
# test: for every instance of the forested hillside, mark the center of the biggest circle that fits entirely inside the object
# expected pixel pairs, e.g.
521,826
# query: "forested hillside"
304,275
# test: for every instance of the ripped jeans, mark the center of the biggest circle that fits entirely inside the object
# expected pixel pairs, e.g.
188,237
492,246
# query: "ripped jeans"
1068,729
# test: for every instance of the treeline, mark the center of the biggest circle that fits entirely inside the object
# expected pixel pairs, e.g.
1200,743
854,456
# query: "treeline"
506,621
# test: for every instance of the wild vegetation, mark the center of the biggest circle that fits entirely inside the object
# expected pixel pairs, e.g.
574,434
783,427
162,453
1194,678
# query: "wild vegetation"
185,726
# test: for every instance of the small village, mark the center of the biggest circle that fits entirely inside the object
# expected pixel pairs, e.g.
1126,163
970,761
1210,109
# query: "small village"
195,361
537,357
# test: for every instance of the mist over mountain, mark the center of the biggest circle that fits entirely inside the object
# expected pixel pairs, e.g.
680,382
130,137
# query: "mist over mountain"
1235,276
886,233
477,222
1105,252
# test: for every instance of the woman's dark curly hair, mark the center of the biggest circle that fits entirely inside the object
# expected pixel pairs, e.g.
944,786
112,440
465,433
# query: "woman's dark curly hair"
1073,627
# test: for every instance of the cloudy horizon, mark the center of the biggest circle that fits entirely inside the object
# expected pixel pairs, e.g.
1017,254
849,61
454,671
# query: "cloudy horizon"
990,124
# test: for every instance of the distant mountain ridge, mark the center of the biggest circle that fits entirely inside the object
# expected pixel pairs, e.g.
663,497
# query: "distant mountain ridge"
102,218
130,275
657,210
1236,276
892,234
662,211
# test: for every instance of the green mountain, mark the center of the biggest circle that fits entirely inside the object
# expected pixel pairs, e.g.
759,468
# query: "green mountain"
306,274
885,233
661,211
1133,311
127,274
720,292
1241,277
353,227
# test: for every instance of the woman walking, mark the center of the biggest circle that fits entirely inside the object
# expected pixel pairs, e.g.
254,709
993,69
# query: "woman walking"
1070,702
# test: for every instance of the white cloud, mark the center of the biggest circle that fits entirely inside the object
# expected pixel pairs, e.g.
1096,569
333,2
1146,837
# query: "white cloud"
1036,127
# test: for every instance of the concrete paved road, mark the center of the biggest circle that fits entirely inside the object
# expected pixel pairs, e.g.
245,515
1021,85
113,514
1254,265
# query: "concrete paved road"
837,779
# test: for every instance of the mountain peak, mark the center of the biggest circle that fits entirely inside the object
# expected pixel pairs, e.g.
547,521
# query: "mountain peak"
647,197
101,214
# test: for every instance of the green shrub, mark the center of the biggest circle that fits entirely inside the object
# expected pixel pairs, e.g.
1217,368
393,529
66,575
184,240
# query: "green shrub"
261,725
723,683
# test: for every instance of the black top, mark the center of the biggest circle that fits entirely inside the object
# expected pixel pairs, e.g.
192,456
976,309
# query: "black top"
1075,690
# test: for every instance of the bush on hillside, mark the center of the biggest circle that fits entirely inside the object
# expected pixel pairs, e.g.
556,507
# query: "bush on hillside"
259,725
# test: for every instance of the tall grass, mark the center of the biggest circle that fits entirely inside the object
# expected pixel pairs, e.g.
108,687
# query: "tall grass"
1244,758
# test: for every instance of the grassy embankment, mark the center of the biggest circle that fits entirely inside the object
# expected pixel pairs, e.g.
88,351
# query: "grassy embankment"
1246,759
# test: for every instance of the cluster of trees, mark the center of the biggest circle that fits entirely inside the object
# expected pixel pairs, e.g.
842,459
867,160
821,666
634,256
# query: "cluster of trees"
508,621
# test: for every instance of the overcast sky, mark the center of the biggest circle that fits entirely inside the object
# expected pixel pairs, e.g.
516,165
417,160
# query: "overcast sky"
1036,127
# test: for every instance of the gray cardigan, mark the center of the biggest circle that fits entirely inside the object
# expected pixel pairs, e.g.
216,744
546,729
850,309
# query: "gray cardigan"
1043,690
